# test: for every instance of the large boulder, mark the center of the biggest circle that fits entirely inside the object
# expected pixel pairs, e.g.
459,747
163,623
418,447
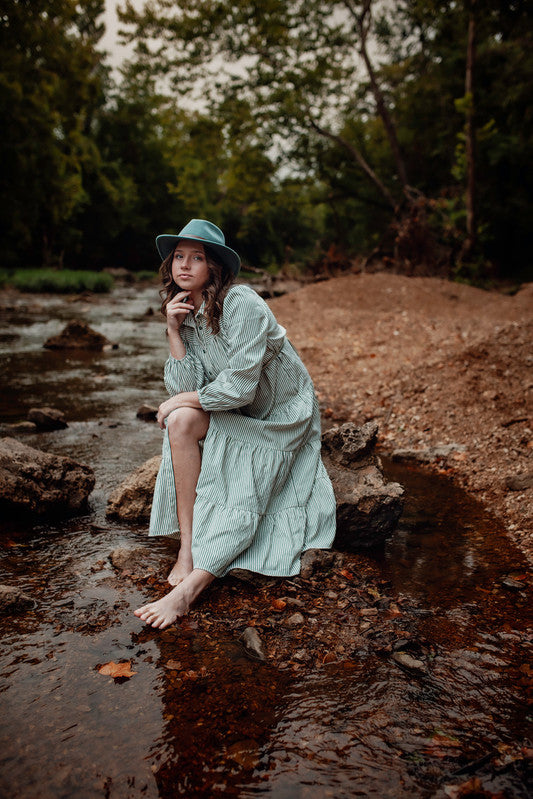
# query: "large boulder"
132,500
39,483
368,507
79,336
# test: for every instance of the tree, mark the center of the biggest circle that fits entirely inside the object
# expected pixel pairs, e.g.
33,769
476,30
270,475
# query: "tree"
51,83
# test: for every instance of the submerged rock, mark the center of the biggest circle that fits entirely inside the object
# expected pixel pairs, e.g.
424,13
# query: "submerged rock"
253,643
129,560
40,483
132,500
79,336
47,418
13,600
368,508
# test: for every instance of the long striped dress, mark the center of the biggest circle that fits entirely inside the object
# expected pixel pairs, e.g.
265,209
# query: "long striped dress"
263,495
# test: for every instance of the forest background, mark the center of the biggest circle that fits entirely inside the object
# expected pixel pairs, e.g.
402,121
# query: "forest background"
314,133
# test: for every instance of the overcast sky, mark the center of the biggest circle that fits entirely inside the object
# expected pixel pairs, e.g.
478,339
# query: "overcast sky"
109,41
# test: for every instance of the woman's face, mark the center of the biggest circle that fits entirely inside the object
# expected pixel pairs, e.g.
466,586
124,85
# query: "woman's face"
190,270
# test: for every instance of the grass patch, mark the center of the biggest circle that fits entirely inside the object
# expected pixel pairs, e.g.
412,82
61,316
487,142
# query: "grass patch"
145,274
62,281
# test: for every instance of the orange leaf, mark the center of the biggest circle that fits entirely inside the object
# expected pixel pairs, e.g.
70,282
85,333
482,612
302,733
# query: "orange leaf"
346,573
117,669
279,604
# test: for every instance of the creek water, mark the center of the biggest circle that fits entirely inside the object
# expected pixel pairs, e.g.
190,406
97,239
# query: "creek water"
199,718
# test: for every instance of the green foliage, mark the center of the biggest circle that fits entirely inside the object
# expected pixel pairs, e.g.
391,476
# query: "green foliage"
62,281
289,148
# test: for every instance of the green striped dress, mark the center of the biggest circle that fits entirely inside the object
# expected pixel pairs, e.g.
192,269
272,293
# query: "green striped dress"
263,495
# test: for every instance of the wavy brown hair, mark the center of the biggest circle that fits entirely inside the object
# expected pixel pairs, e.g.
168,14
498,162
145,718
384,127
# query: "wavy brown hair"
220,279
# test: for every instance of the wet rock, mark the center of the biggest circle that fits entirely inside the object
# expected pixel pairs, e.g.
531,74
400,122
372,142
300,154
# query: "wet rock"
147,413
519,482
47,418
368,508
79,336
427,455
40,483
295,620
253,643
317,559
131,560
132,500
22,427
247,754
13,600
408,662
512,584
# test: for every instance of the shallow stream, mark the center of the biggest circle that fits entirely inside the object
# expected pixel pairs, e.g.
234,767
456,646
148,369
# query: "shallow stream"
199,718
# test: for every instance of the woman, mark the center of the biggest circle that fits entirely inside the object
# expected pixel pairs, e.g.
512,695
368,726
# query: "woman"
241,477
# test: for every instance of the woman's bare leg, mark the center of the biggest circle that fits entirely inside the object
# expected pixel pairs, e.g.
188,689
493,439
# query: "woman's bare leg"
177,602
186,428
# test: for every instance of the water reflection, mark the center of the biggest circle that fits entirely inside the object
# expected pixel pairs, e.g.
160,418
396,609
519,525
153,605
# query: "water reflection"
198,718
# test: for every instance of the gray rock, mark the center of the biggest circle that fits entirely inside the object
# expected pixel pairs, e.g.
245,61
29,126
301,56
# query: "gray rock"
147,413
13,600
427,455
348,444
253,643
519,482
408,662
317,559
368,508
39,483
79,336
47,418
295,620
132,500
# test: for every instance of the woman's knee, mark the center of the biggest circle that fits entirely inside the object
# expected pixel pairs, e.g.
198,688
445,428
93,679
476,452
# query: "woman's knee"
188,422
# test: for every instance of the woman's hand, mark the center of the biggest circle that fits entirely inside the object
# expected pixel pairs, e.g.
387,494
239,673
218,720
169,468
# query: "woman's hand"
187,399
177,309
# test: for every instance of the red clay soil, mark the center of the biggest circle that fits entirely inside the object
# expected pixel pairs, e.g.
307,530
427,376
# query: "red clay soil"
435,363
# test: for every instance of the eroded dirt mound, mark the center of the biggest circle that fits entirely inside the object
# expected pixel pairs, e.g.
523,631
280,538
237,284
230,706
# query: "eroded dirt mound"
434,363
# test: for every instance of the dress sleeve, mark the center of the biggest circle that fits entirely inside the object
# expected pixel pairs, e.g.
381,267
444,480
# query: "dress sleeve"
246,323
186,374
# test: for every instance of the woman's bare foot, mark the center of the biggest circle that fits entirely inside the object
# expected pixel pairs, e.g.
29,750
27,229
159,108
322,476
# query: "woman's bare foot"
164,612
182,568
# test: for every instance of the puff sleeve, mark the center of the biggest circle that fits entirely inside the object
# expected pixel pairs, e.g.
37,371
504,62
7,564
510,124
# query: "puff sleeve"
246,323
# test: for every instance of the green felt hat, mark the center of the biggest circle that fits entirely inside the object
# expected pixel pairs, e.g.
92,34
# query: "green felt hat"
206,233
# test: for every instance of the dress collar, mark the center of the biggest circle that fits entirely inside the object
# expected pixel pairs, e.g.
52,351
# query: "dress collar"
190,319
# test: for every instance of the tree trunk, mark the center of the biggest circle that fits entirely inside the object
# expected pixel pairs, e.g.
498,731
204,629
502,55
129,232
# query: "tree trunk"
362,20
357,156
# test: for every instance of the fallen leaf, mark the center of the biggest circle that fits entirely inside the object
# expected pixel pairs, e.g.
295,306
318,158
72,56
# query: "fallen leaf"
113,669
279,604
347,574
173,664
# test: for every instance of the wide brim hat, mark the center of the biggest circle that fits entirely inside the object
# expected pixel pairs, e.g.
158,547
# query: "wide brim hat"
207,234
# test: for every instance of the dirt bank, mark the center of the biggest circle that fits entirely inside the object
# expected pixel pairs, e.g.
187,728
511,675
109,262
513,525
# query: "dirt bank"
435,363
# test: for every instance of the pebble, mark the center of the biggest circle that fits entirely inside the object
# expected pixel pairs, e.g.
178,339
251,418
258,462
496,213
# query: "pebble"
295,620
253,642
